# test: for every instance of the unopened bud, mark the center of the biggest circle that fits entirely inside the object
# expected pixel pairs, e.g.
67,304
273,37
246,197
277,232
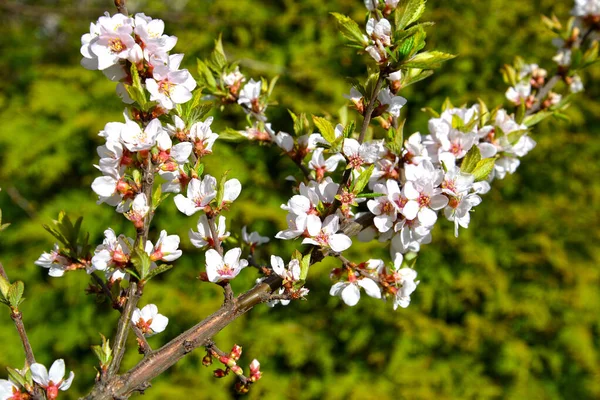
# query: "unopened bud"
236,369
219,373
242,388
236,352
207,360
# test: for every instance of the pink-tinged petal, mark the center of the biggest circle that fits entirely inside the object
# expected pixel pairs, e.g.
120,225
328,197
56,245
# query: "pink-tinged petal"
185,205
383,222
299,204
39,373
278,266
310,241
427,216
410,210
351,147
331,224
104,186
159,323
392,187
66,384
180,94
181,152
313,225
232,257
398,258
172,256
487,150
339,242
438,201
136,315
213,259
351,295
232,188
410,191
337,288
149,311
57,371
6,389
371,287
163,141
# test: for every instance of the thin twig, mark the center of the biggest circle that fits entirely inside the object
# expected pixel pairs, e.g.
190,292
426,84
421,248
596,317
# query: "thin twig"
17,318
121,7
542,94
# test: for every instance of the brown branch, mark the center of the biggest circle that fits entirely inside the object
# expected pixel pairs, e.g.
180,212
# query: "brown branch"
370,107
121,7
542,94
17,318
134,292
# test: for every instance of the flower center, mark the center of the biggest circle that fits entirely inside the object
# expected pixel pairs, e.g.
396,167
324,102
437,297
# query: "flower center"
424,200
116,45
165,87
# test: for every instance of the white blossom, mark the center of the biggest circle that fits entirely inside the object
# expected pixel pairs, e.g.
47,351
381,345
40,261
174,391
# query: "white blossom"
148,320
219,268
52,381
199,195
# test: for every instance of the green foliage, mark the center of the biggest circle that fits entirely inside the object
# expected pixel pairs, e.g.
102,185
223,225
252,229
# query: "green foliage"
508,310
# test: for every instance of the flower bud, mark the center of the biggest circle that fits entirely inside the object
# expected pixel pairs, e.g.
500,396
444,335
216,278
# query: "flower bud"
236,369
207,360
236,352
242,388
219,373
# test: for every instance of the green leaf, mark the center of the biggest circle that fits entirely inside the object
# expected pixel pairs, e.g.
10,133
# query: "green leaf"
469,163
4,287
483,169
536,118
141,261
349,129
16,377
363,179
428,60
514,136
304,266
408,11
103,352
405,48
370,195
432,113
221,188
158,270
325,127
135,90
15,293
350,29
206,77
217,58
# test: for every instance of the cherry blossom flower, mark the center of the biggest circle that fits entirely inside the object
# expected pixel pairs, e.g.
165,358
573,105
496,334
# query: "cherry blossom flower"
139,210
203,137
112,253
166,248
253,239
360,154
394,103
405,277
148,320
385,208
10,391
150,32
586,8
199,195
250,97
324,233
136,139
203,237
169,85
289,274
350,291
56,263
52,381
219,268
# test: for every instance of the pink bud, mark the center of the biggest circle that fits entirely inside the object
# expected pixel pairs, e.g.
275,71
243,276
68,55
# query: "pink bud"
236,352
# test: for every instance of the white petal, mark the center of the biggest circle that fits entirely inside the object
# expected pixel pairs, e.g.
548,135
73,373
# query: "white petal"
57,371
427,216
339,242
313,225
371,287
410,210
39,373
351,294
159,323
185,205
67,382
232,257
232,188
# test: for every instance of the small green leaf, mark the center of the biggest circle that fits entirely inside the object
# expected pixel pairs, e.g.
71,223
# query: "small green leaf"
4,287
536,118
141,261
428,60
304,266
325,127
15,293
158,270
217,58
483,169
370,195
350,29
432,113
408,11
16,377
363,179
221,188
206,77
469,163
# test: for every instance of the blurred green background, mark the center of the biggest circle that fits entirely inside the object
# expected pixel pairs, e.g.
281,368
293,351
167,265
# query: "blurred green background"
510,309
